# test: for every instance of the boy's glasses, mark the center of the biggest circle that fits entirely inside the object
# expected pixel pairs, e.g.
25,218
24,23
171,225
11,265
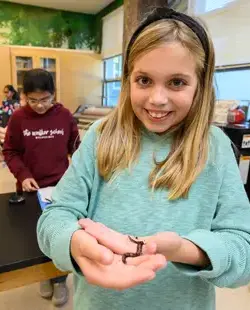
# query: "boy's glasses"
43,101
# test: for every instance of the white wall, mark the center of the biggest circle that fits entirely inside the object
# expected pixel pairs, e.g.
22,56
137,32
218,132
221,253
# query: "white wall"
230,30
112,33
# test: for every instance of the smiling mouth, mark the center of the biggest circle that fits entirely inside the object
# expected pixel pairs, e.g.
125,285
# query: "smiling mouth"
158,115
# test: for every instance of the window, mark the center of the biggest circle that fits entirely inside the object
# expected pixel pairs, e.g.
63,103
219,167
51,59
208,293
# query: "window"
112,80
233,83
204,6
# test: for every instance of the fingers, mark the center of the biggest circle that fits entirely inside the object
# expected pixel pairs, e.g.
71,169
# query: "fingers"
149,248
26,187
84,223
82,244
29,188
111,239
116,277
154,262
34,184
137,277
136,261
30,185
114,240
99,254
145,270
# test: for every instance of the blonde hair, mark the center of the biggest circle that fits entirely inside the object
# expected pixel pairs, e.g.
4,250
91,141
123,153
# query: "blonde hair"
120,133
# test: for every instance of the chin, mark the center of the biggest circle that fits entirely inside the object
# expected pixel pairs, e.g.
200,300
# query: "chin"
157,129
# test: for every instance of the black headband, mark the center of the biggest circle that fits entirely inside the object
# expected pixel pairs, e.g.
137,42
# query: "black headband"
165,13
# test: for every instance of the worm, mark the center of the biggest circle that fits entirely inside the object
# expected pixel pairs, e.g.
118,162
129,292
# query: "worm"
138,250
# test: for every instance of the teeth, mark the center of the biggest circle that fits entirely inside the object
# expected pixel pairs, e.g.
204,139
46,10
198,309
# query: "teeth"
158,114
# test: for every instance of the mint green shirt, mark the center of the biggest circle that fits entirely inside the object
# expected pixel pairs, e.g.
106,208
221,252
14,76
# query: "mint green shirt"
215,216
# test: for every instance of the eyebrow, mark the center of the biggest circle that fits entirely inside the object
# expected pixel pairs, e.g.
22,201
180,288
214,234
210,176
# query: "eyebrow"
47,97
183,75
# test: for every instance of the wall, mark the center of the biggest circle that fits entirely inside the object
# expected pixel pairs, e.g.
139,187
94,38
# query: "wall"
112,33
179,5
230,28
5,76
81,79
112,29
80,73
19,25
98,26
35,26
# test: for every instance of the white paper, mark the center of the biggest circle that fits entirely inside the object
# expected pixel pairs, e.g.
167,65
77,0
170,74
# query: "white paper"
244,168
221,110
46,193
245,142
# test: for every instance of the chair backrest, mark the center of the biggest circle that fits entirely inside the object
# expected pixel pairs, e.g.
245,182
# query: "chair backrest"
88,115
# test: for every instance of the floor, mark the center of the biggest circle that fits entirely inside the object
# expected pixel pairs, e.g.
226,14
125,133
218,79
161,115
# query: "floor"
27,298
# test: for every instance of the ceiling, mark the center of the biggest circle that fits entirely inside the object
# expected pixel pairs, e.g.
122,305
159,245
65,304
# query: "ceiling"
82,6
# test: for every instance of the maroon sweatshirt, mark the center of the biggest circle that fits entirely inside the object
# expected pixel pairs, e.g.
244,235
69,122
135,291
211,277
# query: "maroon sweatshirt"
37,146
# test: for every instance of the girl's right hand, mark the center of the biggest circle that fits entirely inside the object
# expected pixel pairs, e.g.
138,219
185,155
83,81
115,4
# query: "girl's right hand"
103,268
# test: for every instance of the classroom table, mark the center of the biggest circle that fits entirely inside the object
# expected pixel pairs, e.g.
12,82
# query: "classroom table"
21,261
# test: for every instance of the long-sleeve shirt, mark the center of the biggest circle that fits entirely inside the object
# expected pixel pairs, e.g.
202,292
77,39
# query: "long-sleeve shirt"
215,216
37,146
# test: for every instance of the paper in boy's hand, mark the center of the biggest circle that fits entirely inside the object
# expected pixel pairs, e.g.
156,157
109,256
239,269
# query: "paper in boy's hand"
44,196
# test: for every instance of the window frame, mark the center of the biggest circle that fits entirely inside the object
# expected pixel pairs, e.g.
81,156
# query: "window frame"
196,7
108,81
228,68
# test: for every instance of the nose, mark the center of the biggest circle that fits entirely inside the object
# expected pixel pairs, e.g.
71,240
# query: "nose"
158,96
39,106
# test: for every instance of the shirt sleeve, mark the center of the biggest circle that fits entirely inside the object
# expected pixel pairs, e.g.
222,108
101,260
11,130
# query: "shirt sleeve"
228,243
70,203
74,139
13,150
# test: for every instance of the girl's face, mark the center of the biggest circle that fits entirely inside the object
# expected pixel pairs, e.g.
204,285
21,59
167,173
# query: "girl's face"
162,86
8,94
40,102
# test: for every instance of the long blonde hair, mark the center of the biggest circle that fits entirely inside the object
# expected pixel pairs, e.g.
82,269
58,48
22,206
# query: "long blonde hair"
120,133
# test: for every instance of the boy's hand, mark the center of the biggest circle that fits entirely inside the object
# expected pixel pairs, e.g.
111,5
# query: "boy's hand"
30,185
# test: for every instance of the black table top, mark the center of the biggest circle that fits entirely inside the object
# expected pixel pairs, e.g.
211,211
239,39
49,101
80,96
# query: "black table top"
18,241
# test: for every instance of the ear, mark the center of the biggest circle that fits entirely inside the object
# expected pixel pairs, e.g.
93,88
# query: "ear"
23,99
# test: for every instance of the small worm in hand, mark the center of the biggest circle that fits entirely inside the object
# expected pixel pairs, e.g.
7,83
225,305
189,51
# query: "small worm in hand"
138,250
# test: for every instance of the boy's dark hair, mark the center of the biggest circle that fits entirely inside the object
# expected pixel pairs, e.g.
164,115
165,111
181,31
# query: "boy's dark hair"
38,80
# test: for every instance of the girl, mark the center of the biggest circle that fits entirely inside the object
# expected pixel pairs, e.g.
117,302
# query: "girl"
9,104
157,169
39,138
10,93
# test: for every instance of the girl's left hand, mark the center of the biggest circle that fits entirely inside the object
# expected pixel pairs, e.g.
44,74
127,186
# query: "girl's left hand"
166,243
